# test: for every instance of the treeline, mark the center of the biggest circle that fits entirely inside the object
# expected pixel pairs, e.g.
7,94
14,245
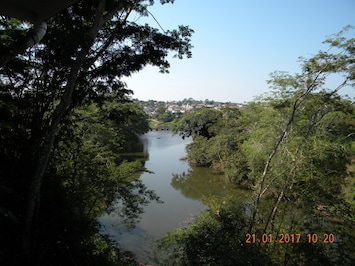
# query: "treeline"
293,147
65,120
163,113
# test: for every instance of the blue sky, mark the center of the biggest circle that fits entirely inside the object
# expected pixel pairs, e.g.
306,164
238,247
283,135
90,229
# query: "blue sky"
237,44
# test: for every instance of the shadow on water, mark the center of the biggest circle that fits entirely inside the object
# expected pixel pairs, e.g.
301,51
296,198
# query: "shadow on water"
202,184
139,151
185,191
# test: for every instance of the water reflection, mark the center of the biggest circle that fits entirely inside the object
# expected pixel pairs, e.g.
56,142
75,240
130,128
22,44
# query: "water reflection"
185,191
202,184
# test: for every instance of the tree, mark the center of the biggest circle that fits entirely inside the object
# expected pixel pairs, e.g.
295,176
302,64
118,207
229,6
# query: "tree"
129,121
196,123
86,178
305,162
217,238
87,49
295,145
316,70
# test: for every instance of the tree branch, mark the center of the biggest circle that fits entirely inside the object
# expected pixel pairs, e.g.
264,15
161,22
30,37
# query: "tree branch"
45,150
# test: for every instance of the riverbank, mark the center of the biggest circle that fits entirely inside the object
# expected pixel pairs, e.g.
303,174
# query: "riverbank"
158,125
184,190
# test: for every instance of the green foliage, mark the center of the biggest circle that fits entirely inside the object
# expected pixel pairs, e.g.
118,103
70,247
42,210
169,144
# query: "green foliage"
197,123
293,147
87,178
65,98
219,148
349,186
128,121
11,30
221,153
198,151
217,238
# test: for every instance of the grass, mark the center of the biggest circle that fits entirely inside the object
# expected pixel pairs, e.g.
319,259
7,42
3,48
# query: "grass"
158,124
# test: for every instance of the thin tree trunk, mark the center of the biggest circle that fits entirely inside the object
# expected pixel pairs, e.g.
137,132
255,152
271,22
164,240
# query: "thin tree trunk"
268,163
271,218
35,186
295,107
45,150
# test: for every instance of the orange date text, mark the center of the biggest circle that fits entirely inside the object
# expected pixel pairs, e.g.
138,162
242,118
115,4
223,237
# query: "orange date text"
289,238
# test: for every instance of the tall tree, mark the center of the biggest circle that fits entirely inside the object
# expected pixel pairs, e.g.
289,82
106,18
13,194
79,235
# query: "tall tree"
295,144
87,49
314,77
303,157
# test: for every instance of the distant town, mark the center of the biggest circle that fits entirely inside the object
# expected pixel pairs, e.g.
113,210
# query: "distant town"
175,108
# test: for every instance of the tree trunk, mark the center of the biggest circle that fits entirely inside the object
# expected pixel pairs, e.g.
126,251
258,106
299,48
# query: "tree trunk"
282,137
45,149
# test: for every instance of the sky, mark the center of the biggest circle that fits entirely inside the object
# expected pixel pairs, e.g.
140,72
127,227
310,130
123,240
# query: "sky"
237,44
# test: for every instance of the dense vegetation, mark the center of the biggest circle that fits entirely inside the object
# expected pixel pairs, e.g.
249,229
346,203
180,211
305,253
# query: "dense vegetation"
293,147
65,118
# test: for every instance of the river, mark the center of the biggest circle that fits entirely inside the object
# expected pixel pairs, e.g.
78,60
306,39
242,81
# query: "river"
185,190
